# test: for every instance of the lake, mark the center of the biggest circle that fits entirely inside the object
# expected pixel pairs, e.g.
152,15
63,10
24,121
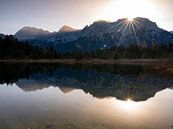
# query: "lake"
59,96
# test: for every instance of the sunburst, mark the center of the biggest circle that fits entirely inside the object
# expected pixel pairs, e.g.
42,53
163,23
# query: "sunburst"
127,26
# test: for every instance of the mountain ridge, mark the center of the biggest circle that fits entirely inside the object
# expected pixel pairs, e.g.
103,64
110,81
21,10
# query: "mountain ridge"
66,28
103,34
27,33
2,35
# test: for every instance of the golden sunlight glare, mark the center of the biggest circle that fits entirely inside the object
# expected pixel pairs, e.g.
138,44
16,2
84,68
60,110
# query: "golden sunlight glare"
130,9
129,105
130,19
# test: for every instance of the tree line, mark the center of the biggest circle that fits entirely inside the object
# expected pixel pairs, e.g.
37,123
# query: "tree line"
126,52
11,48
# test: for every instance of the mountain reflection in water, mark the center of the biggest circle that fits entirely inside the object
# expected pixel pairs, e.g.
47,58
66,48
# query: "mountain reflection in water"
53,96
121,81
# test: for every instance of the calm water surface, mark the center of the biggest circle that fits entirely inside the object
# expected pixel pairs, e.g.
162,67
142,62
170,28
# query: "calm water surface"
50,96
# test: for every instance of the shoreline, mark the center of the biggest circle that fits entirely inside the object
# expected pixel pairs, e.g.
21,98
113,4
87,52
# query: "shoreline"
94,61
164,65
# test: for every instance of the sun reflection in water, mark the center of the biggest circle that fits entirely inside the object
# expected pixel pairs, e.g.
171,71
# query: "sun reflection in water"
129,105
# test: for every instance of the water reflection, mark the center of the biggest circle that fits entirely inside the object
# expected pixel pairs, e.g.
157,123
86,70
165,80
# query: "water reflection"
121,81
104,97
52,108
129,105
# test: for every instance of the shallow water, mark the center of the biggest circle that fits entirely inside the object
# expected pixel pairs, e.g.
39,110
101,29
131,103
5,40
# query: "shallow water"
84,97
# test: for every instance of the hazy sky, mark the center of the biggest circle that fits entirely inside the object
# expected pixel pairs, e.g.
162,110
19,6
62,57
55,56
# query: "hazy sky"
53,14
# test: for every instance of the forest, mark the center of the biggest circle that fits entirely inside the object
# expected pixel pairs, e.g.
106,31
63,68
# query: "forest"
126,52
13,49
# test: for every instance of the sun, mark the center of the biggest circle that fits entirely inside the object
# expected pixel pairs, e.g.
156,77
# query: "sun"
130,19
116,9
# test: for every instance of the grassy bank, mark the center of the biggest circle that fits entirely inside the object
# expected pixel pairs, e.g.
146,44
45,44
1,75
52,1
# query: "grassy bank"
95,61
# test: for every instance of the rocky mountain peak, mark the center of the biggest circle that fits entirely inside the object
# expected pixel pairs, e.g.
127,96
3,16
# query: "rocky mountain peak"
31,33
66,28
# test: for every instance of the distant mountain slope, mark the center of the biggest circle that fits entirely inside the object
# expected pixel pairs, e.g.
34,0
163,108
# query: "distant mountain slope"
102,34
123,31
28,33
60,38
66,28
171,32
2,36
43,38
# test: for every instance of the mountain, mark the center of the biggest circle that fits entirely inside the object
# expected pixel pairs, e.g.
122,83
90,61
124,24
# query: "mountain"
2,36
28,33
103,34
42,38
171,32
66,28
60,38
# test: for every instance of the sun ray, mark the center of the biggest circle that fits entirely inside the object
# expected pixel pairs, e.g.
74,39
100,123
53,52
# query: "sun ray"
136,23
134,31
126,26
120,23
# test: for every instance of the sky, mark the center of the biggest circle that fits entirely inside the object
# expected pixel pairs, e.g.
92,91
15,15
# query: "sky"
53,14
